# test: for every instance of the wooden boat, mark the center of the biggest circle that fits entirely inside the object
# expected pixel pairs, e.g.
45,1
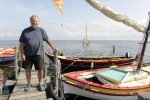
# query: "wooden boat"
89,62
121,83
7,54
114,83
86,41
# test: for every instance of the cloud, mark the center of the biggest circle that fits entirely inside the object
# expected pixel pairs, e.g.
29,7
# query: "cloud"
97,30
15,17
100,29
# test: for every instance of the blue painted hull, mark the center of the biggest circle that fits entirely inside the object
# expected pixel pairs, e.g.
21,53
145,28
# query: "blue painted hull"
3,59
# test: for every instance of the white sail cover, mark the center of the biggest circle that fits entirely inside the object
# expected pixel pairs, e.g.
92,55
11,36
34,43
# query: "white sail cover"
116,16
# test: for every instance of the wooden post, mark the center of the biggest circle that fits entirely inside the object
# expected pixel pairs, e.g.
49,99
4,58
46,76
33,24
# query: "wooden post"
44,62
19,58
16,64
55,71
1,89
1,81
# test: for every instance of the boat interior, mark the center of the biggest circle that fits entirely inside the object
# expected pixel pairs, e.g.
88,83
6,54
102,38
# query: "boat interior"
119,77
93,57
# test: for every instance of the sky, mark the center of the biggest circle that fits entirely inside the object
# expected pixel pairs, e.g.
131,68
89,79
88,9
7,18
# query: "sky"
71,25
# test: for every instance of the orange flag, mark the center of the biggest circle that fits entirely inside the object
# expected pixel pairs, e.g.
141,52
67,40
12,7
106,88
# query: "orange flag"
59,4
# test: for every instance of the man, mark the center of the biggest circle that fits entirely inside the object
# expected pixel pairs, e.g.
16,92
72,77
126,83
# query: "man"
31,41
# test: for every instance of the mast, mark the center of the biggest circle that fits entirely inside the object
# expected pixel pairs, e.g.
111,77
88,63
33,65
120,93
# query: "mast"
144,46
86,33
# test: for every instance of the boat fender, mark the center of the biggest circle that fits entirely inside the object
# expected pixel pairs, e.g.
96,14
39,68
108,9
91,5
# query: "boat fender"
92,65
51,94
127,55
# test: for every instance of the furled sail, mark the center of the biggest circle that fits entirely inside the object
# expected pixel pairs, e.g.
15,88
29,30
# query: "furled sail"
116,16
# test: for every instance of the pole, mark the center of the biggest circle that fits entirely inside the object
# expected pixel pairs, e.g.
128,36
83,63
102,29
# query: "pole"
16,64
86,33
55,71
144,46
44,62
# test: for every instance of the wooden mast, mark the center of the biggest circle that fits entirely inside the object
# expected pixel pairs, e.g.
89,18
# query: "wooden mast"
86,33
144,46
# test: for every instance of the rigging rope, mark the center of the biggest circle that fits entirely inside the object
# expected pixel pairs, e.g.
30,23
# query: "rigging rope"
68,66
82,90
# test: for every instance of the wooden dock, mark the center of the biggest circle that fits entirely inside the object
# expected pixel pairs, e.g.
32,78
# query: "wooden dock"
20,81
18,92
4,97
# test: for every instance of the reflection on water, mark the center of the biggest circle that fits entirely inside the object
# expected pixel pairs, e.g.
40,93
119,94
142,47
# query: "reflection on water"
85,49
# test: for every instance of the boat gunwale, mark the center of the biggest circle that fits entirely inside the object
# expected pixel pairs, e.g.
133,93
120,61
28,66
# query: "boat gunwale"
73,75
121,60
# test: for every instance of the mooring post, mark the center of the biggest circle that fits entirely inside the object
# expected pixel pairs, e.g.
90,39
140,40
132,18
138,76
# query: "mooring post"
1,82
55,71
16,64
44,62
19,58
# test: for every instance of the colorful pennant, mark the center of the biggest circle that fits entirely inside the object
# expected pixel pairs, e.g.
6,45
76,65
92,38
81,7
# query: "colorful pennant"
59,4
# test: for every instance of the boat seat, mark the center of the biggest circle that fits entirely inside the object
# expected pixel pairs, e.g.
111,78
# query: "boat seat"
134,77
140,76
146,69
104,81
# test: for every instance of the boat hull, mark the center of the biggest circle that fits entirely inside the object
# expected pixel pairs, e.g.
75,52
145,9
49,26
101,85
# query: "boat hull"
91,63
79,83
70,89
7,54
4,59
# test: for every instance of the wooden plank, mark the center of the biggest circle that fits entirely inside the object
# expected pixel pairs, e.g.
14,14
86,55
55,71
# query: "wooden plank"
10,82
144,96
4,97
40,97
25,95
18,91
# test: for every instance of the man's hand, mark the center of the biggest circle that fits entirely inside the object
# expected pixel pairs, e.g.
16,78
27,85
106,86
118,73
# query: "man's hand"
55,49
23,57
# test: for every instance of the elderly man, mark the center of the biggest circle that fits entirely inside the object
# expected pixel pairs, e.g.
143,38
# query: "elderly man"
31,41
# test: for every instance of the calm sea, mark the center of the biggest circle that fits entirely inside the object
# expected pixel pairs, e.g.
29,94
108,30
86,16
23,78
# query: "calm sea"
97,48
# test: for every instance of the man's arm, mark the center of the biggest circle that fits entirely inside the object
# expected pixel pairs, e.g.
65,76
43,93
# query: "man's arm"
51,45
22,51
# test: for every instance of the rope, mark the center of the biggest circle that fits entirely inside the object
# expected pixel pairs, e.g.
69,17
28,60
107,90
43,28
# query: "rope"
82,90
68,66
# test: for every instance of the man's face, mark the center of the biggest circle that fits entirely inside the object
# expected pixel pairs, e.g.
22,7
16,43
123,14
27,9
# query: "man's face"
34,22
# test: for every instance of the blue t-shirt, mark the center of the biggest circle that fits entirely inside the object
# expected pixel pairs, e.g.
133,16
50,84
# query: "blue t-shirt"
33,40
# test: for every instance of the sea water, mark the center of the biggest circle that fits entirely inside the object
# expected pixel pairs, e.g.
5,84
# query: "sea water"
97,48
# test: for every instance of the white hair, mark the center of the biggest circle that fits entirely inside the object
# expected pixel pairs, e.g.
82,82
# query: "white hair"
34,16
